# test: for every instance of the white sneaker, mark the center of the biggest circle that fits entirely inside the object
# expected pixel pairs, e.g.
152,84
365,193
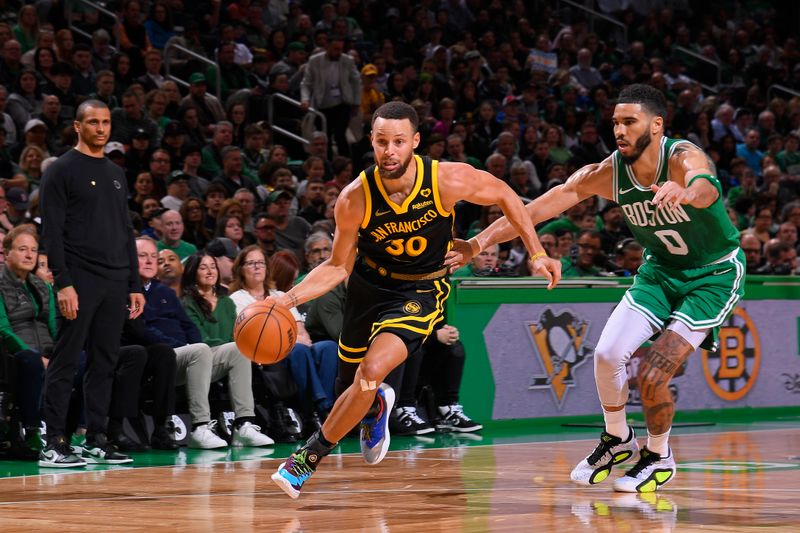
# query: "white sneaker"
611,451
649,474
203,437
249,434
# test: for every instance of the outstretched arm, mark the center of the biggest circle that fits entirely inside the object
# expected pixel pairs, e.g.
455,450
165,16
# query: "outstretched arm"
334,270
463,182
585,182
687,163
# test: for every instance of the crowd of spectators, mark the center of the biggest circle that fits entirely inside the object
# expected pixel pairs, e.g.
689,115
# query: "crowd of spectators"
521,89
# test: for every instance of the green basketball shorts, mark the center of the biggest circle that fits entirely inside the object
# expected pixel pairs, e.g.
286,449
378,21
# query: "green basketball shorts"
701,298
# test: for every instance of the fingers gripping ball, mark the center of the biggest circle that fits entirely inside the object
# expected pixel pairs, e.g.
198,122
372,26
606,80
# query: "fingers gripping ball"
265,332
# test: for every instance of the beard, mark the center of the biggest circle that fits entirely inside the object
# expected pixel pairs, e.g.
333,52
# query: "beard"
638,149
398,172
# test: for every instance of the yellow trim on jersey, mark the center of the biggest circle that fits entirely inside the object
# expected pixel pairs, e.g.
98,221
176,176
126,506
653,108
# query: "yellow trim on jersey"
352,351
400,209
433,318
367,199
437,199
350,359
421,331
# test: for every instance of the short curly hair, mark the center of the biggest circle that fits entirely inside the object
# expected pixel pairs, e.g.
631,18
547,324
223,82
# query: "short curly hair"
650,98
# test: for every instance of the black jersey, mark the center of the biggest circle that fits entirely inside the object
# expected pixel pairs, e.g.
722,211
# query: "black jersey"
411,238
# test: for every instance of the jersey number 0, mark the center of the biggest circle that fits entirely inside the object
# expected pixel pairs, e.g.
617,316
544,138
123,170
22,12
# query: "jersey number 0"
673,241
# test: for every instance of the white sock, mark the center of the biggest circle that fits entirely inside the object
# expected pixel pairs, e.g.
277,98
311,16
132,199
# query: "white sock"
659,443
616,423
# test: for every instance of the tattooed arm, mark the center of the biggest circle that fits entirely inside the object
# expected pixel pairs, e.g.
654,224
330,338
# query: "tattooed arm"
686,162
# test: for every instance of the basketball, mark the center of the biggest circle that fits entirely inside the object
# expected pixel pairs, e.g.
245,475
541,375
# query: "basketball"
265,332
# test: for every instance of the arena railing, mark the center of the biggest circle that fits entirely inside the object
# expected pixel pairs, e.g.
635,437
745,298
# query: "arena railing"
717,65
174,47
594,16
296,103
776,87
68,13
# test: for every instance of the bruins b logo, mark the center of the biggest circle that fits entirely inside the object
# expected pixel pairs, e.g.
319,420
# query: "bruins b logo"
412,307
560,341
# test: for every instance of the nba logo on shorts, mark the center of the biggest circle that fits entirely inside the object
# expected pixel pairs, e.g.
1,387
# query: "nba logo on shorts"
560,344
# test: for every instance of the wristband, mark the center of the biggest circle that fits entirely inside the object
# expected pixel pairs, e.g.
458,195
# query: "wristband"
538,255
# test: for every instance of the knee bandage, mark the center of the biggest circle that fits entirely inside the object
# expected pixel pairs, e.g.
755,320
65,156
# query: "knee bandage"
368,385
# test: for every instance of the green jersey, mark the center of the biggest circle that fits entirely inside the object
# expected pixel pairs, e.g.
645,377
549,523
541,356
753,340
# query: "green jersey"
684,237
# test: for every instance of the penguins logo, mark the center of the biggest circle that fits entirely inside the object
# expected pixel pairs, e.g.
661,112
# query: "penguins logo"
560,344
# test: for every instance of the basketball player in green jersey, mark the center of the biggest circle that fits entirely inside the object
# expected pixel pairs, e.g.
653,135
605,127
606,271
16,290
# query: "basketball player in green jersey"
691,279
394,226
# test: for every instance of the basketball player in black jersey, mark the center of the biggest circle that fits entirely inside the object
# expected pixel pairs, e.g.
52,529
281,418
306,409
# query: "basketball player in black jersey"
393,228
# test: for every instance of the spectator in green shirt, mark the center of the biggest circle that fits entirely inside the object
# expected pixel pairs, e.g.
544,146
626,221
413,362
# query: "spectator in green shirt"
172,231
570,220
215,314
482,264
589,251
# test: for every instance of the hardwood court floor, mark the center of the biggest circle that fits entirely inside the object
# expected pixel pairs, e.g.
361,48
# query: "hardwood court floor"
727,481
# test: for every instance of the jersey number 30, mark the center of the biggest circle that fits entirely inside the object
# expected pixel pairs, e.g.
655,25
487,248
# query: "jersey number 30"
673,241
411,247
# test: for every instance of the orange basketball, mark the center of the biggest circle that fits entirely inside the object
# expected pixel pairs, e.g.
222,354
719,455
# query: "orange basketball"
265,332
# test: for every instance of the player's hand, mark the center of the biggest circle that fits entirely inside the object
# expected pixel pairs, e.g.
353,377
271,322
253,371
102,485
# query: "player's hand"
671,194
68,302
549,268
447,335
459,255
136,304
285,299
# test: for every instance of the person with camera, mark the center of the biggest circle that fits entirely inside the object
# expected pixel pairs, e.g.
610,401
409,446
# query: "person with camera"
590,254
781,259
629,257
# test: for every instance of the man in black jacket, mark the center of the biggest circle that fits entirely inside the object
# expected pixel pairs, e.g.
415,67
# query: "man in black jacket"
89,240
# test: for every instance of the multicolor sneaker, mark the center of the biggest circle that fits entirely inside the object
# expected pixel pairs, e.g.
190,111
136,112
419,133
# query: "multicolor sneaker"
375,429
609,452
649,474
452,418
406,422
100,450
58,454
294,472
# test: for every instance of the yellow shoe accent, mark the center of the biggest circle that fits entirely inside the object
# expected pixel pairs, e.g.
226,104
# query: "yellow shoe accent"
600,476
621,457
650,486
663,477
